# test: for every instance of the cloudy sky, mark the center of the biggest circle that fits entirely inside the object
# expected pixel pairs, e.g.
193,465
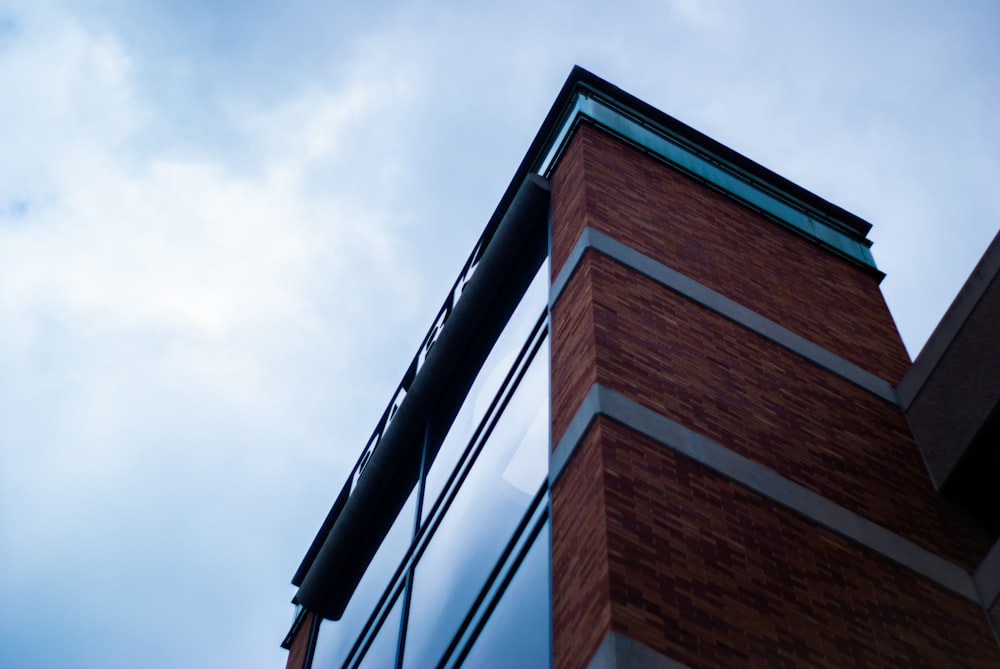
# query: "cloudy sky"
225,225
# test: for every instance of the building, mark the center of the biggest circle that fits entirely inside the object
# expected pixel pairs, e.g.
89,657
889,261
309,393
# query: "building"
661,420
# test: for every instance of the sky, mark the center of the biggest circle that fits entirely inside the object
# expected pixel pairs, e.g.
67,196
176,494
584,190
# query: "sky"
225,227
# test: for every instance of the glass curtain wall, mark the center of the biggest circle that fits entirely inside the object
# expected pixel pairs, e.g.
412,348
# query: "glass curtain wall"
462,575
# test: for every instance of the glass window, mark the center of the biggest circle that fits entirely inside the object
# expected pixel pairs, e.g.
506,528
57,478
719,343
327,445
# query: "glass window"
517,635
336,637
486,386
381,654
481,519
476,518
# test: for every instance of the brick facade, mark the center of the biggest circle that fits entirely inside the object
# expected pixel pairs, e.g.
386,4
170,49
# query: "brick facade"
581,599
606,185
712,575
655,546
744,495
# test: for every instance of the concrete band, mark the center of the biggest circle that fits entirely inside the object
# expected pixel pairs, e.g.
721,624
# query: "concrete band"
601,401
722,305
617,651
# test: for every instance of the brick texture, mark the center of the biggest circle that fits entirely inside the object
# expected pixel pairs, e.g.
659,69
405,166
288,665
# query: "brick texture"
581,602
605,184
756,398
574,365
656,546
713,575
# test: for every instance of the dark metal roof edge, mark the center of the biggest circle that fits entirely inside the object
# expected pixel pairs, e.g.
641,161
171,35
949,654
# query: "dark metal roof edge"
580,77
593,109
548,128
987,271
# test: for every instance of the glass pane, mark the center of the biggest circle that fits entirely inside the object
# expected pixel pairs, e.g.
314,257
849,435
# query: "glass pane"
481,519
486,385
518,633
382,653
336,637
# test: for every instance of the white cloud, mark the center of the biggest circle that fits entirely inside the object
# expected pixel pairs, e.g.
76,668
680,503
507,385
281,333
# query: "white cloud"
174,329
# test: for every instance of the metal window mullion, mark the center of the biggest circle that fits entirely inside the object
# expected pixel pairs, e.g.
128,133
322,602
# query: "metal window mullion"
496,407
404,616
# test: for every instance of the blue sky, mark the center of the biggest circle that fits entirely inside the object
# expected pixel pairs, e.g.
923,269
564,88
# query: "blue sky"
225,226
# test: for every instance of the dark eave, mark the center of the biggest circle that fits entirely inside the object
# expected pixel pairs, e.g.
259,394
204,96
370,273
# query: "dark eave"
720,152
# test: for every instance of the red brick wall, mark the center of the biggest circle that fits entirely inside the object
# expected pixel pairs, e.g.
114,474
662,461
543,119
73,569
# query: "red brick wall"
581,601
770,405
710,574
692,564
605,184
574,366
713,575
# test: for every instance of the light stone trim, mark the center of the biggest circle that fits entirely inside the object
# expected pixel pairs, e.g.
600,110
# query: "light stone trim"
719,303
601,401
617,651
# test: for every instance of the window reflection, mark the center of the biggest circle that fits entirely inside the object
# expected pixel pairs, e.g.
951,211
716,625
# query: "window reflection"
517,634
382,652
336,637
486,385
482,518
509,464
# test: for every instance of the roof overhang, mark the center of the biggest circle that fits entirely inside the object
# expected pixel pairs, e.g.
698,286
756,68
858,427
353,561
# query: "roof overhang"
588,99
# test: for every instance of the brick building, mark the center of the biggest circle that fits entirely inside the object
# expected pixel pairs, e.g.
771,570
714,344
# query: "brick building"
663,419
